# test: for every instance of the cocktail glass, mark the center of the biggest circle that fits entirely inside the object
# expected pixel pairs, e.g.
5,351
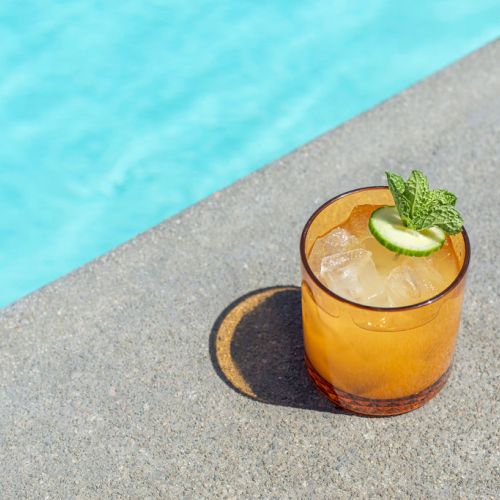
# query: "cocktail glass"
377,360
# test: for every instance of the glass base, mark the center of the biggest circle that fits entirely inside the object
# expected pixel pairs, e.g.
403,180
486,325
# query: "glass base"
375,407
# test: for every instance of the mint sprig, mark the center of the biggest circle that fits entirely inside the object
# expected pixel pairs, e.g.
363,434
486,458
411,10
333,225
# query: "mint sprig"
420,208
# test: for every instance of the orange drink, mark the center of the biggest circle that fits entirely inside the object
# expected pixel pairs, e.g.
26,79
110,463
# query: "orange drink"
379,327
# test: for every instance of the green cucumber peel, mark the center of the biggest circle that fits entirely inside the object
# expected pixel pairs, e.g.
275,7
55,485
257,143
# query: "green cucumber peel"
388,229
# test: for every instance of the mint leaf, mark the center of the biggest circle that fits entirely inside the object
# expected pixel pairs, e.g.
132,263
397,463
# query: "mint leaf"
446,217
396,183
434,199
397,187
442,197
419,207
416,191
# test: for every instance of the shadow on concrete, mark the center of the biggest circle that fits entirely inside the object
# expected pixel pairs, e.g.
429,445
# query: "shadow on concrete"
256,347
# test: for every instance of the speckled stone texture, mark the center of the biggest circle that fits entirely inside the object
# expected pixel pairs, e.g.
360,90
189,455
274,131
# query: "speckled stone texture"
107,386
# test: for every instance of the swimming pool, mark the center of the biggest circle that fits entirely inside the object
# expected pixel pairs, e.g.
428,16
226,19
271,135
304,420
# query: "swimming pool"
115,115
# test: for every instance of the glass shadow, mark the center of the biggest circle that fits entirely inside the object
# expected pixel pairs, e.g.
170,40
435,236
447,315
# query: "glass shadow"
256,347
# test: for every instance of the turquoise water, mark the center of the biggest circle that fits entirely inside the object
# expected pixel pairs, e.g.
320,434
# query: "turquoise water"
115,115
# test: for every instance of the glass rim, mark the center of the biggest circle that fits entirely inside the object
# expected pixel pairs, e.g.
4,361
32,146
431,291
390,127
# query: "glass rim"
460,276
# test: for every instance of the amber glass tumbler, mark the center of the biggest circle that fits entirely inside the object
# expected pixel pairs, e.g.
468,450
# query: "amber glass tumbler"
375,360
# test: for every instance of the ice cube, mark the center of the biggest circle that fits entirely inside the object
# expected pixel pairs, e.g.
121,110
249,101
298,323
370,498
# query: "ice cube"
401,287
414,281
357,223
338,240
385,260
445,261
353,275
429,278
445,253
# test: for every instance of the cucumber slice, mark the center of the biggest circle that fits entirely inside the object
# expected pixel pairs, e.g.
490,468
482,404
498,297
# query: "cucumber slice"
388,229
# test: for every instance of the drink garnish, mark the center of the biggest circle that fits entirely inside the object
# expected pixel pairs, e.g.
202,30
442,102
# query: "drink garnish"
417,225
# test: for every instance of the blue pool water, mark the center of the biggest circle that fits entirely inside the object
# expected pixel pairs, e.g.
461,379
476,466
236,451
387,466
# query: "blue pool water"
115,115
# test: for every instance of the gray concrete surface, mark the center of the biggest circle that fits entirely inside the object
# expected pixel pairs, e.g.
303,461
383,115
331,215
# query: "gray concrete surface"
107,386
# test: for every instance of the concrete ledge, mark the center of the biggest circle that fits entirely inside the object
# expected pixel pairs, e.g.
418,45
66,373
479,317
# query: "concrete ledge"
107,383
